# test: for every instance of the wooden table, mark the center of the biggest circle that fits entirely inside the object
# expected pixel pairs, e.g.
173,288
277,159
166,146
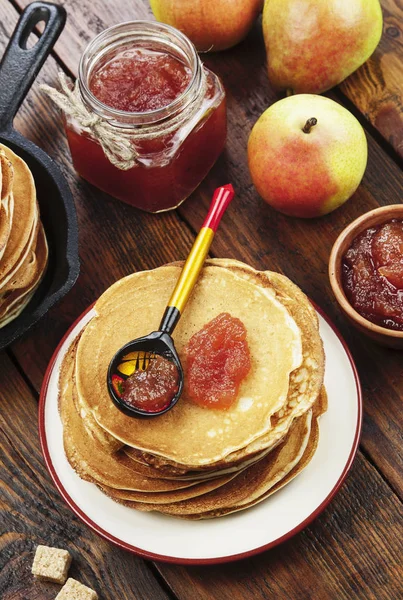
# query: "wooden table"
354,549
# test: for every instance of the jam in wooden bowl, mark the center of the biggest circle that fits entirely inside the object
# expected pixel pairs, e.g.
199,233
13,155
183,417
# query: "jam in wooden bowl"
366,274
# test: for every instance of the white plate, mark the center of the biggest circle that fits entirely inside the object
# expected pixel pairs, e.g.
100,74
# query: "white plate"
235,536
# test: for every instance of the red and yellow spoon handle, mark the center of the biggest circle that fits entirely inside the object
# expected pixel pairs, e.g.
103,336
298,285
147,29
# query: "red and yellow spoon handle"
194,262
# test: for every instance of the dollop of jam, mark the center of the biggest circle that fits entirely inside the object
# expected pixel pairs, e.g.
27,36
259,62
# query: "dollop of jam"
372,274
139,79
152,389
217,361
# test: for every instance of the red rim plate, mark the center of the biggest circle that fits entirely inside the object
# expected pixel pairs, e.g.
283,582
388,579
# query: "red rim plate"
193,561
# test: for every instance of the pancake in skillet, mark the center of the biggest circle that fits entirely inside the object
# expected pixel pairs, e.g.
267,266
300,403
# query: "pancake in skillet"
23,245
14,296
6,201
22,236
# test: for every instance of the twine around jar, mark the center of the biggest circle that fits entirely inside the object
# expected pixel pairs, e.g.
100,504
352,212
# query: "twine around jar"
118,148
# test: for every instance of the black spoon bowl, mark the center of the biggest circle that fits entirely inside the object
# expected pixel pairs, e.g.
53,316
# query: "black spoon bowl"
18,69
160,342
157,342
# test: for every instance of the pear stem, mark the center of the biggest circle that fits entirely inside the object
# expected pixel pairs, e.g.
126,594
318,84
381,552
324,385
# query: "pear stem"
309,124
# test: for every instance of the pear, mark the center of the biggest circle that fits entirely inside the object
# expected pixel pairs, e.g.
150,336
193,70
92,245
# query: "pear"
312,45
307,155
211,25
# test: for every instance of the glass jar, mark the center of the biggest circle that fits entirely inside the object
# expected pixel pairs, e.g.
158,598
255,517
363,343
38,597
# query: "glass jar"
174,146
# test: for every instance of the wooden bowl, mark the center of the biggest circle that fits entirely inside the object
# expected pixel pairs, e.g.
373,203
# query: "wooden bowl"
382,335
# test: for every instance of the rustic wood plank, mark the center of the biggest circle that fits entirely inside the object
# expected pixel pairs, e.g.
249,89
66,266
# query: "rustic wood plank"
33,513
376,88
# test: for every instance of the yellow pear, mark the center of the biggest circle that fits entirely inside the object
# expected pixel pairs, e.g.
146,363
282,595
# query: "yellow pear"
307,155
209,24
312,45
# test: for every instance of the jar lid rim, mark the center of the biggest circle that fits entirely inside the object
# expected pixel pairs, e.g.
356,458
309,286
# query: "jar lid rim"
154,115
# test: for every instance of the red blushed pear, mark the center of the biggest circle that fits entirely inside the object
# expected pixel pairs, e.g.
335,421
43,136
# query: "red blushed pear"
307,155
211,25
312,45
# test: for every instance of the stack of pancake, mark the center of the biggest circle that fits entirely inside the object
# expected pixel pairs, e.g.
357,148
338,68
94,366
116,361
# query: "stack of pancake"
23,246
196,462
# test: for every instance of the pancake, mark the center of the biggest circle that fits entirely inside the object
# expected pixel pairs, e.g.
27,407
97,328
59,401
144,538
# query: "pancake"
112,445
318,409
305,381
224,488
259,482
7,176
251,483
8,205
26,272
194,462
283,481
25,214
16,310
157,498
109,443
92,463
10,298
5,225
6,201
86,455
206,435
23,246
170,472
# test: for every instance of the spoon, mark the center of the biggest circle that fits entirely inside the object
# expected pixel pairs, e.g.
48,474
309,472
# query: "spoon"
138,354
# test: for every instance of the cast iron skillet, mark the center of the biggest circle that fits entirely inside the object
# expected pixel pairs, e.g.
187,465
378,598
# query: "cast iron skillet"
18,70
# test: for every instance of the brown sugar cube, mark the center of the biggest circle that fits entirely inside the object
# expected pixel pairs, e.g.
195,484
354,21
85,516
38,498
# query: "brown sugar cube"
51,564
74,590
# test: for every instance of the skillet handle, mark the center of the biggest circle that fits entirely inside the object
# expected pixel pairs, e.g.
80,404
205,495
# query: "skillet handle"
20,65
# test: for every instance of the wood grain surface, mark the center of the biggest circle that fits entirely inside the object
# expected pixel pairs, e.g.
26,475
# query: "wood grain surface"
376,89
354,548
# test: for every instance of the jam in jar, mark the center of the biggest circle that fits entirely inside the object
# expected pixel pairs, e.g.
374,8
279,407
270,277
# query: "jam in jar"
372,274
145,84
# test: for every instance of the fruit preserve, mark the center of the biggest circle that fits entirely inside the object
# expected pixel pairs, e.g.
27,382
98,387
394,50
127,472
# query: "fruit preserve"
373,274
217,361
152,389
151,120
